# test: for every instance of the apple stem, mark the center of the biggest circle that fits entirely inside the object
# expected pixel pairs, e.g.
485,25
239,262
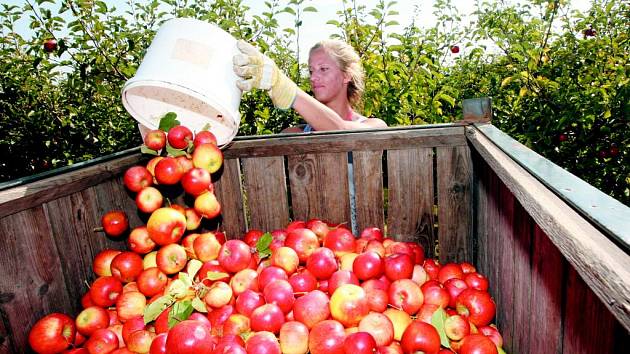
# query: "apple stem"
98,229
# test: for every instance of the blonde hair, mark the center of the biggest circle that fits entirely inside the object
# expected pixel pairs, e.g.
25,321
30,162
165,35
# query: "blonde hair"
349,62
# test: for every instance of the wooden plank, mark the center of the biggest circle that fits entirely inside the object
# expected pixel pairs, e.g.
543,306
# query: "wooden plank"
523,233
368,189
66,181
375,140
600,262
481,180
319,186
601,209
454,177
548,268
410,197
266,192
32,283
227,188
588,325
493,238
507,267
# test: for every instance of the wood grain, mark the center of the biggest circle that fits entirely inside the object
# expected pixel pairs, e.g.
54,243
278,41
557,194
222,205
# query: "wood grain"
266,191
519,339
454,177
507,268
319,187
368,189
410,197
227,188
601,263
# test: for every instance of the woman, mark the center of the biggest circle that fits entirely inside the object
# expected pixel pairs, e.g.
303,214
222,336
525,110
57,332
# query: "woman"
336,79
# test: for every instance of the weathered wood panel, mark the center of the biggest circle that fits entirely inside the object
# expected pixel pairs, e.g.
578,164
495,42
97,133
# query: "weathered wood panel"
504,256
454,178
368,189
32,283
519,337
319,186
266,191
410,197
227,188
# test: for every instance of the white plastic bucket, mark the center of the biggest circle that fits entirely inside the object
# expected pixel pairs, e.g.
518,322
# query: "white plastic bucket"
187,70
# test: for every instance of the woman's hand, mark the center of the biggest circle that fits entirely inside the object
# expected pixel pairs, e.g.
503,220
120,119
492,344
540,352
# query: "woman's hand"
256,70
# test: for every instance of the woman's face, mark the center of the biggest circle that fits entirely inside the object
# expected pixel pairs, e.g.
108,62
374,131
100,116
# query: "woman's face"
327,80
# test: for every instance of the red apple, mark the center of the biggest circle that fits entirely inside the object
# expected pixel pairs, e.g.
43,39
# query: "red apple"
140,341
368,265
204,137
492,333
171,258
419,275
349,304
179,137
319,227
126,266
193,219
420,337
432,267
405,295
268,274
115,223
359,343
130,304
303,241
243,280
149,199
398,266
279,292
339,278
263,342
312,308
379,326
454,287
91,319
211,272
132,325
477,305
158,345
186,163
268,317
476,281
105,291
322,263
52,333
189,337
102,262
400,320
155,139
456,327
50,45
248,301
166,226
219,295
302,281
294,338
467,267
450,270
139,240
206,247
196,181
102,341
137,177
207,205
340,241
435,295
285,258
234,255
327,337
477,344
455,49
151,164
168,171
208,156
236,324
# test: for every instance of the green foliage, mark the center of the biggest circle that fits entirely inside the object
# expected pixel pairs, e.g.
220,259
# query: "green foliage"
558,78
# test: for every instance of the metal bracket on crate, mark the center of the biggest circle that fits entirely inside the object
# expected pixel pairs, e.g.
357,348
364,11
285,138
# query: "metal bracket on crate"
477,110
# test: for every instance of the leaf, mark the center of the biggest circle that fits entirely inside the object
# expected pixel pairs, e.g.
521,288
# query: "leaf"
180,311
199,305
145,150
185,278
506,81
154,309
437,320
262,245
193,267
523,91
216,275
171,151
309,9
168,121
177,289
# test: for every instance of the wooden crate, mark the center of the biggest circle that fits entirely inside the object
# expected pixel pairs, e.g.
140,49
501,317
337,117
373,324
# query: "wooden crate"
554,249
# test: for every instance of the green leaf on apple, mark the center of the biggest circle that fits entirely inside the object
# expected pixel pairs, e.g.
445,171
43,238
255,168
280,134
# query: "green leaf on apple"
193,267
171,151
199,305
145,150
206,127
262,245
180,311
154,309
186,279
178,289
212,276
168,121
437,320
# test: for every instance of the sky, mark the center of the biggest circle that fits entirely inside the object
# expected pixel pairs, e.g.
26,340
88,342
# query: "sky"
314,27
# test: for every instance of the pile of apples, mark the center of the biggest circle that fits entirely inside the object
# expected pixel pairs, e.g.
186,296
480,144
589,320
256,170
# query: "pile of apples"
311,287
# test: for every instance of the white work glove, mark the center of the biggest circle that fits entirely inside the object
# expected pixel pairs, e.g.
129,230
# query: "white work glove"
256,70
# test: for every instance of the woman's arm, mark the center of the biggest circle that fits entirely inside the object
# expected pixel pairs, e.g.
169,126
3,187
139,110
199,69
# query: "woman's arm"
321,117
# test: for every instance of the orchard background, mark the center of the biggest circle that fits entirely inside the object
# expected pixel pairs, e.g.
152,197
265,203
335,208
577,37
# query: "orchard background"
559,79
